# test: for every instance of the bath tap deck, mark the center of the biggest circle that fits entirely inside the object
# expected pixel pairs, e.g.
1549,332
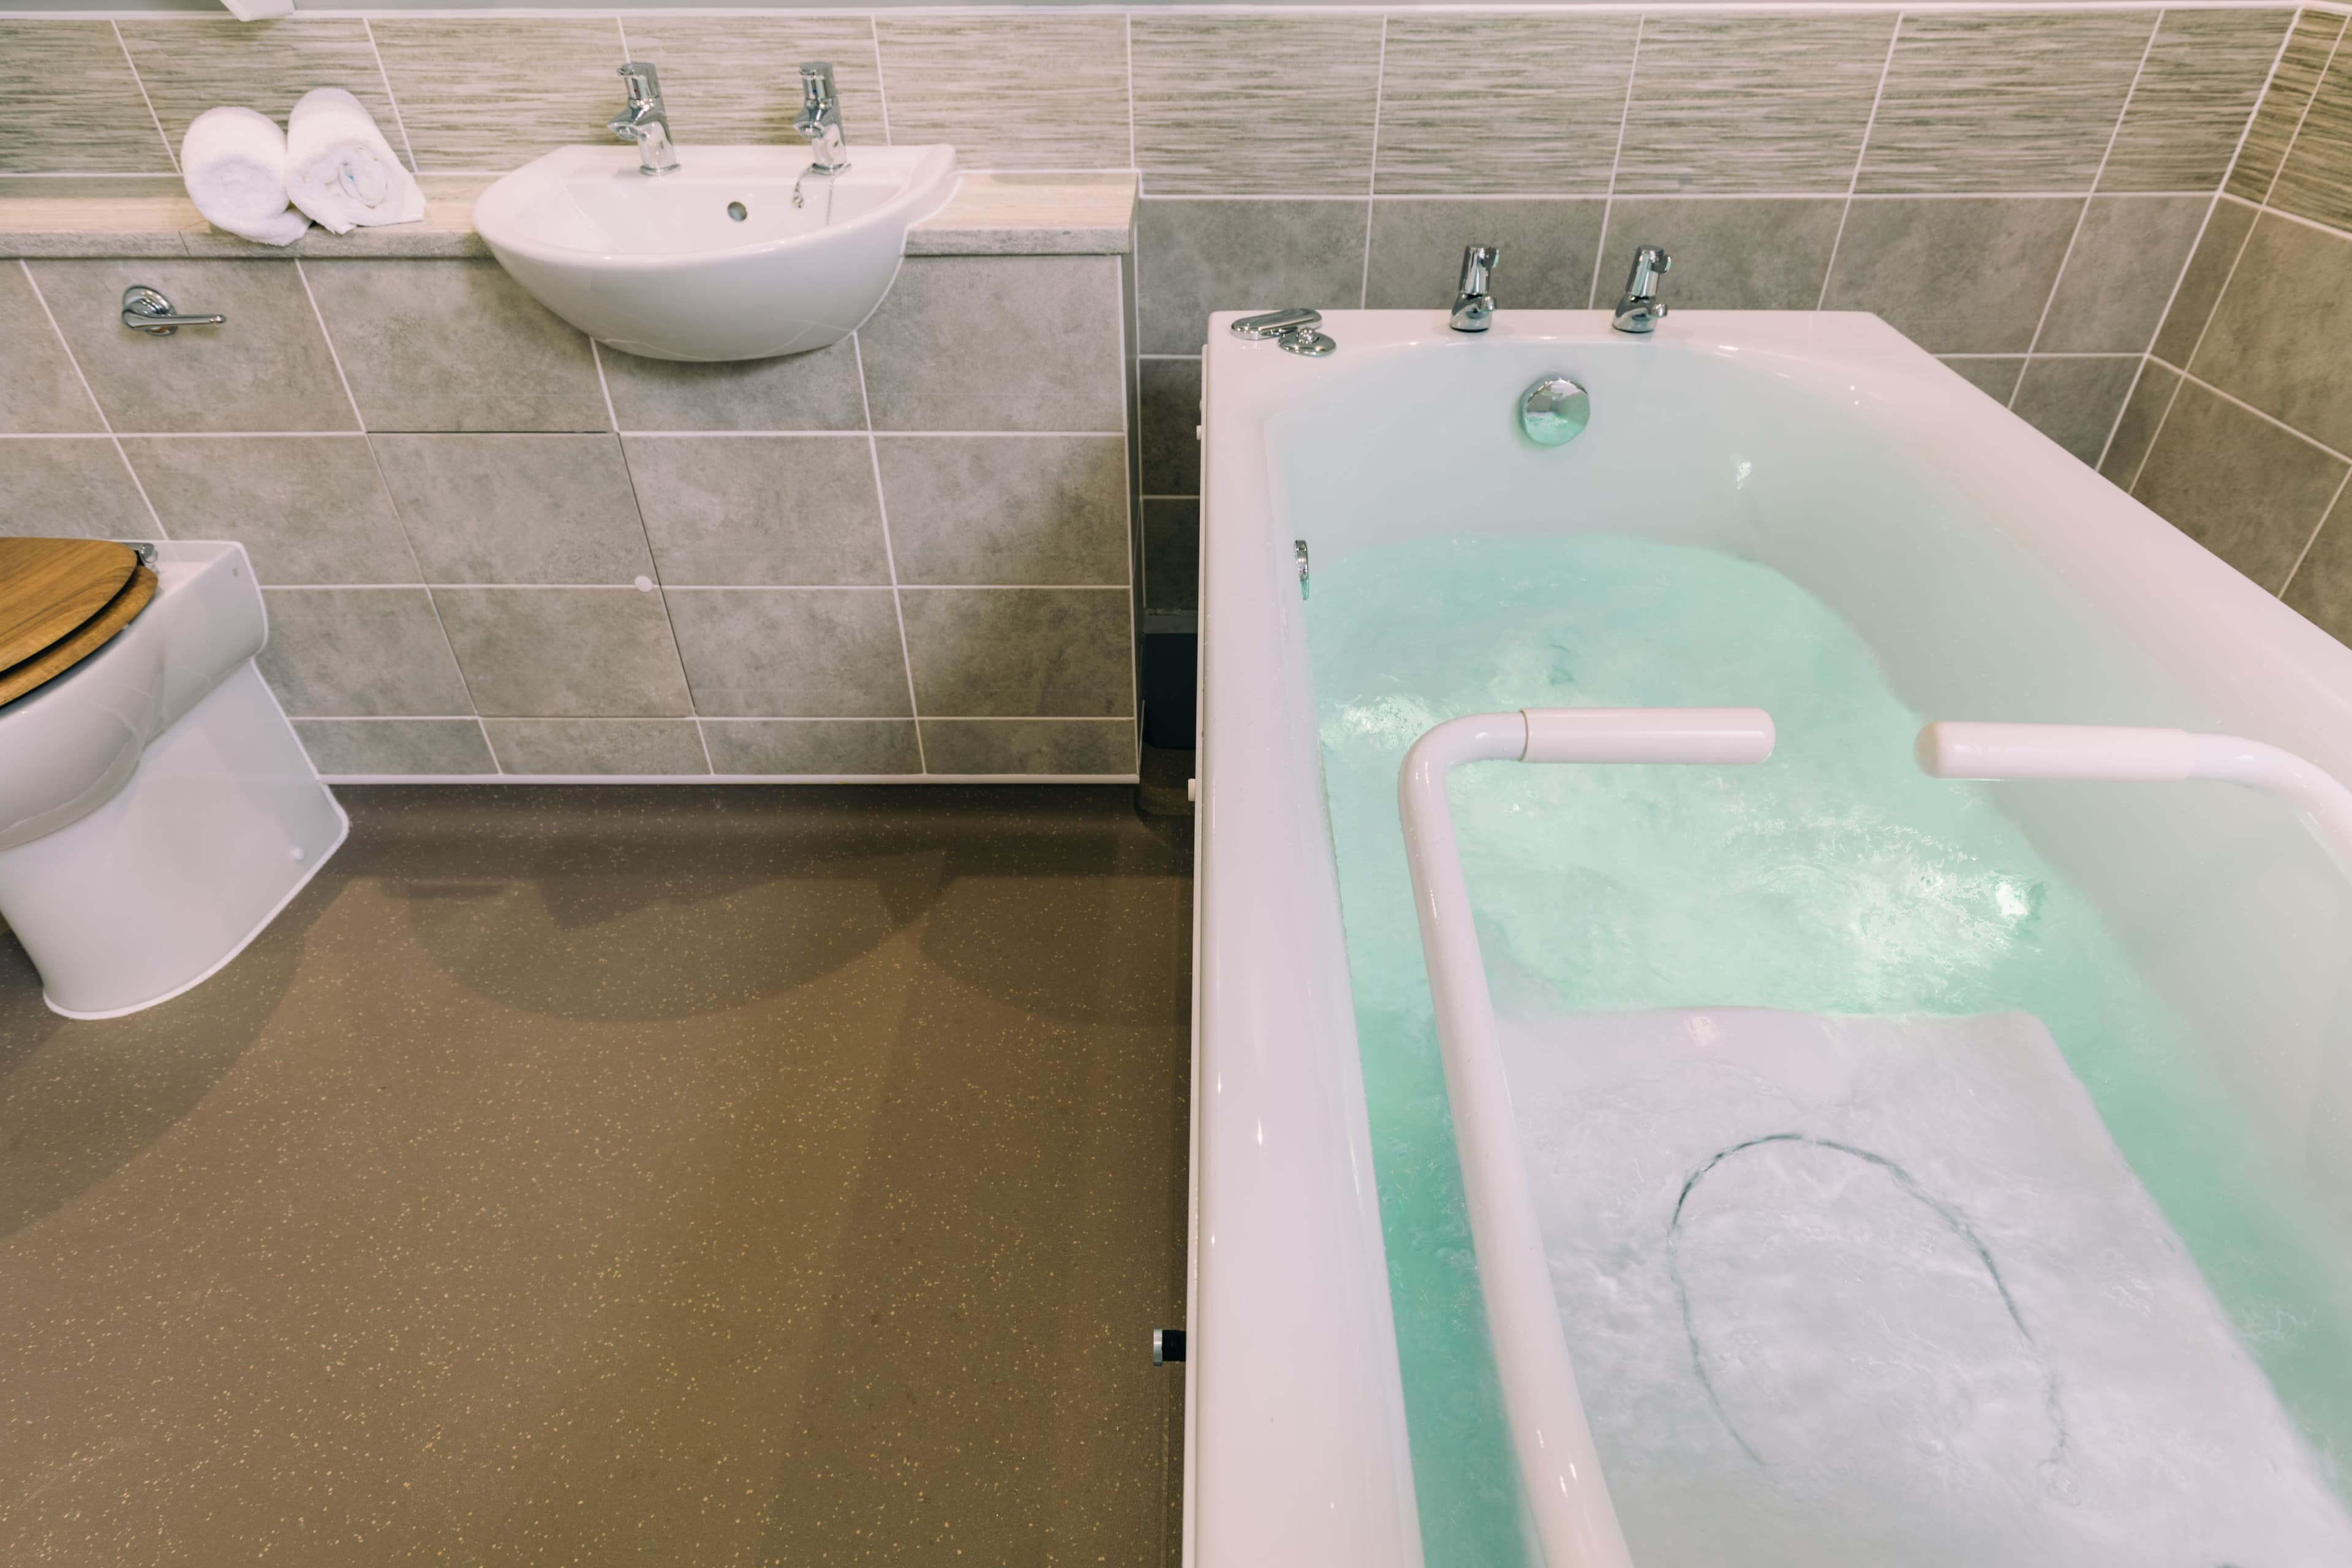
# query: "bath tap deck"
1991,575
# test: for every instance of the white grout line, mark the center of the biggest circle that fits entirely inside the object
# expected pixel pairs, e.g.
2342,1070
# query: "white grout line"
596,356
171,153
105,424
2324,513
388,96
2272,420
2115,133
881,90
622,28
632,435
1860,152
1616,158
1372,175
667,588
2064,354
889,556
1296,198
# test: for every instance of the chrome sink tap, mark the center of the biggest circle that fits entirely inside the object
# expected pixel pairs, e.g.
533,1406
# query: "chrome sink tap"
1473,303
1641,310
646,120
820,119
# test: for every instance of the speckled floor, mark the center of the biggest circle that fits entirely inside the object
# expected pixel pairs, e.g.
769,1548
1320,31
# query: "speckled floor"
602,1175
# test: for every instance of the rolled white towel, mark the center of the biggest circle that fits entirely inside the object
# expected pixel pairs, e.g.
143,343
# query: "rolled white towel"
341,170
234,161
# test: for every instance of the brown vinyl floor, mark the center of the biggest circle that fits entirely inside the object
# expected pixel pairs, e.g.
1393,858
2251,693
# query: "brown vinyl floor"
687,1175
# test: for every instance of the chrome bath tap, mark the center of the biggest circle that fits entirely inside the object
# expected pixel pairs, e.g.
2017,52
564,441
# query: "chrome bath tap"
1473,303
1641,310
646,120
820,119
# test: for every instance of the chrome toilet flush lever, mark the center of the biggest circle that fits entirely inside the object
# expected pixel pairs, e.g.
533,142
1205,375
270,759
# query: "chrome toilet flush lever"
1474,302
646,120
1294,331
1641,310
146,309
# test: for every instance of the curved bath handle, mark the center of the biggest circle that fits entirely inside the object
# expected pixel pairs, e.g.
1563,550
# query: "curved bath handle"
2122,754
1559,1470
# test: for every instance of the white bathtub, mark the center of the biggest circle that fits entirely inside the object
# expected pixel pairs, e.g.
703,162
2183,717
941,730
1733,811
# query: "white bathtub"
1995,575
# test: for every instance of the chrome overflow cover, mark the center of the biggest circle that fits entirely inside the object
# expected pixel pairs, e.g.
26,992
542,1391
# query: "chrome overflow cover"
1293,330
1554,411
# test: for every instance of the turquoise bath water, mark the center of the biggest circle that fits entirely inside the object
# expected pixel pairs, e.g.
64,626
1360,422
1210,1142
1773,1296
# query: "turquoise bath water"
1834,879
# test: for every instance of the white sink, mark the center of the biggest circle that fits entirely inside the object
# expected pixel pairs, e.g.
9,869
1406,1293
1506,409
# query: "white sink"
664,265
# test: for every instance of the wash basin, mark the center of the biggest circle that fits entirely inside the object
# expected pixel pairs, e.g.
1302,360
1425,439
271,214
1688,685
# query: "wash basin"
712,261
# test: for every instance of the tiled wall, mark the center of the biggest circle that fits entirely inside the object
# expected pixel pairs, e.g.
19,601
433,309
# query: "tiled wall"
487,546
2240,428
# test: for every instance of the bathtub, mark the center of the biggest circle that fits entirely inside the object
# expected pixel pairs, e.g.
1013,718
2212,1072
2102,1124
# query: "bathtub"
1994,576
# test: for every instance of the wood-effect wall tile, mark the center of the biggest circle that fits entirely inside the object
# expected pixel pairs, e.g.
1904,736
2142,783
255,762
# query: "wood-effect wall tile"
1732,103
734,79
1256,105
2308,47
1502,105
190,64
1011,91
79,106
2316,182
2190,105
496,93
2003,101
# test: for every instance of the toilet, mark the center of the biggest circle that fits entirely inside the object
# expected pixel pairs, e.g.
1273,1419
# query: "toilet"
156,809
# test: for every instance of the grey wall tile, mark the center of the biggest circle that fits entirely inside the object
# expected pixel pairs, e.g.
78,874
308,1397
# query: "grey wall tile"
1168,445
1021,652
565,653
516,508
1771,103
760,509
1011,343
2247,490
2321,588
1729,254
2003,100
1172,556
494,92
1007,746
813,390
737,78
307,508
2271,356
90,118
71,486
1011,91
1242,105
997,509
2280,110
2075,402
1547,251
814,653
588,746
2316,182
1956,275
1502,104
41,391
351,652
811,746
403,747
454,345
2120,273
190,64
2142,413
2190,105
2200,285
266,369
1203,256
1994,375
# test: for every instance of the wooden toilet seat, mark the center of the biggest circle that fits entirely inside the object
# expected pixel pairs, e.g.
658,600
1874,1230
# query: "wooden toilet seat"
60,601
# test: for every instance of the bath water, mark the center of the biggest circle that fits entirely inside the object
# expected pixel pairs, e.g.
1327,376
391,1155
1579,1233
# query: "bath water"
1834,879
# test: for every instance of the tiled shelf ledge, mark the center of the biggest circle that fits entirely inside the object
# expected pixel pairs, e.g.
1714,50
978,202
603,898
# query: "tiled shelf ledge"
990,214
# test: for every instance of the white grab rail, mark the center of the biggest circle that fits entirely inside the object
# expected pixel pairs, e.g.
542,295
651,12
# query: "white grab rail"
1566,1496
2114,753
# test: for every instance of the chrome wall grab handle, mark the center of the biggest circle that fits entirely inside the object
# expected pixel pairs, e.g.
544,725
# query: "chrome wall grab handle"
146,309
